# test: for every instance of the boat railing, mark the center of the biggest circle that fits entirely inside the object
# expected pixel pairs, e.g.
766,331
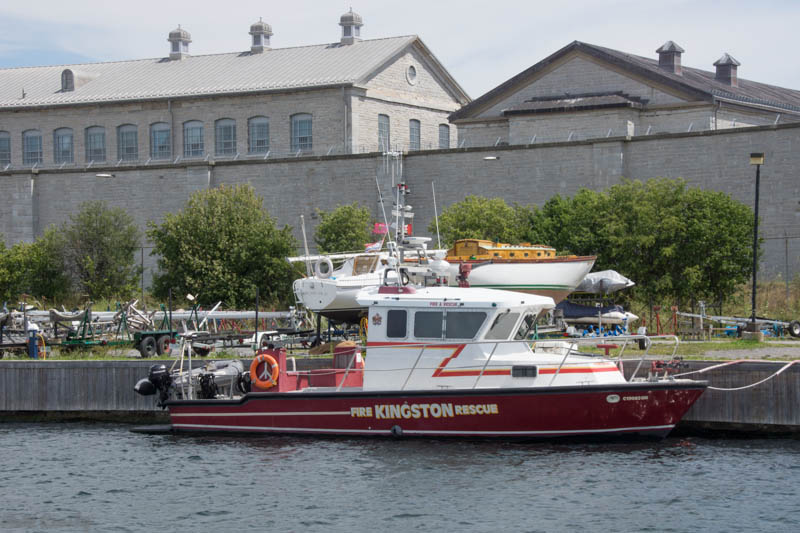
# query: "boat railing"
567,346
643,341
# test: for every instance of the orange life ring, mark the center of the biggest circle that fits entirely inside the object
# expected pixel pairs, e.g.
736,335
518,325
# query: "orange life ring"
256,380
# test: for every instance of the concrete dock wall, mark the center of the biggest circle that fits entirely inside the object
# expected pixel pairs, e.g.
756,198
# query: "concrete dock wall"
103,390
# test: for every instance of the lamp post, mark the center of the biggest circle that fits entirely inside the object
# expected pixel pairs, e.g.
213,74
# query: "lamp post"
756,159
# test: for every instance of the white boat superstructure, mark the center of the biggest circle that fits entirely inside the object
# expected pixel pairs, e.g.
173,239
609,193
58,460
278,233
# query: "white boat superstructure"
453,338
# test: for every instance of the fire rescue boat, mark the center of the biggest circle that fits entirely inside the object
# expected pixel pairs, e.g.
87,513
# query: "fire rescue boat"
439,362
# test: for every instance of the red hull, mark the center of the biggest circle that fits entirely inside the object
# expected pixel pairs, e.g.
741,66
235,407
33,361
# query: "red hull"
650,409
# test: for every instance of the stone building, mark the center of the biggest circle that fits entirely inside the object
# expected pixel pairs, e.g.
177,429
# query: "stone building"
351,96
585,91
168,127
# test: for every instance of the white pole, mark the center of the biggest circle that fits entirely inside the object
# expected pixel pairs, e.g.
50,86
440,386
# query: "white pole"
436,216
305,244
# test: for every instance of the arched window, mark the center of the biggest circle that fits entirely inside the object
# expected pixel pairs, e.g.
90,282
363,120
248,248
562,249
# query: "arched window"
444,136
128,142
67,80
413,134
160,141
95,143
258,135
193,143
5,148
62,146
31,147
225,137
302,139
383,133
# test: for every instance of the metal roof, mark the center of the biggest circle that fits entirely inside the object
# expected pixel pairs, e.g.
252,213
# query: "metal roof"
239,72
700,83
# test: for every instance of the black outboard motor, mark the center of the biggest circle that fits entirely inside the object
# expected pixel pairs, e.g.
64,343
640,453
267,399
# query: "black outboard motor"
158,380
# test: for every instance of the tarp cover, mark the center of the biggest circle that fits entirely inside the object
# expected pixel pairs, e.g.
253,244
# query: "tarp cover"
603,282
573,310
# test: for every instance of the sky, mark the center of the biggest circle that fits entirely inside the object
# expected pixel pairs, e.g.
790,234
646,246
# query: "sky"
481,44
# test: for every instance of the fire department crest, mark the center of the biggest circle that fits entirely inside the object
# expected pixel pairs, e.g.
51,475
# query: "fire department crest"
376,319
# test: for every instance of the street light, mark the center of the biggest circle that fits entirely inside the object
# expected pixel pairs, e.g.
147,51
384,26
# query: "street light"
756,159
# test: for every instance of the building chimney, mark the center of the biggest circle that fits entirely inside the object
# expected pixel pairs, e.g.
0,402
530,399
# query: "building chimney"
726,70
179,43
351,27
261,32
669,57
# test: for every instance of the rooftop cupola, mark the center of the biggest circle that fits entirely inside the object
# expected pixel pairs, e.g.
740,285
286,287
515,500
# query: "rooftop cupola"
669,57
726,70
351,27
261,32
179,43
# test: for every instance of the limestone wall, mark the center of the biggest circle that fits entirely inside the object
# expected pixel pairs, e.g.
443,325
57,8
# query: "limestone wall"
527,175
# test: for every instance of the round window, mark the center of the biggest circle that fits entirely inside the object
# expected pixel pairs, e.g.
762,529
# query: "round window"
411,74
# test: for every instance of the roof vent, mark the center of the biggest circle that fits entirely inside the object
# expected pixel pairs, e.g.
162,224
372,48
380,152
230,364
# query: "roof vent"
669,57
351,27
179,43
726,70
261,32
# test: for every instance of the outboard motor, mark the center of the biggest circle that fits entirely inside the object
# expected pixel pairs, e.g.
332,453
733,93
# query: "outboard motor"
158,380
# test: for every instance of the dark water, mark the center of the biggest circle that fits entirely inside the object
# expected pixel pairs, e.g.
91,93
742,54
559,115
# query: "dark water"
90,477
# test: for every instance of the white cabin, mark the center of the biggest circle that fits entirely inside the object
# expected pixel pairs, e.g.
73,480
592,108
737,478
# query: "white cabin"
462,338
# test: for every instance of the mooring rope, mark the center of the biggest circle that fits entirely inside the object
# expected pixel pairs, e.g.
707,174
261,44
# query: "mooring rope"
784,367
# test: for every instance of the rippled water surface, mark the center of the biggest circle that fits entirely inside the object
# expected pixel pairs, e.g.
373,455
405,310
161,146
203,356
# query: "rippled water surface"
93,477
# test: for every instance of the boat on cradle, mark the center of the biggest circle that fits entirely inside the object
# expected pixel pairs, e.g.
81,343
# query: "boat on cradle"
332,292
535,269
439,362
588,304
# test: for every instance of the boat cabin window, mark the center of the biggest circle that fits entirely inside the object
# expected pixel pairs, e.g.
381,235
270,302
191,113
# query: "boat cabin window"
364,264
463,324
503,326
428,324
396,324
526,327
448,325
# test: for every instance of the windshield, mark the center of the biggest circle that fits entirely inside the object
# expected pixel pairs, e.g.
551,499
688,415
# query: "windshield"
503,326
526,328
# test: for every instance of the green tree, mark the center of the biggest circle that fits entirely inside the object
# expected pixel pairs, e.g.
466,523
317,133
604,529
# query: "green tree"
677,243
100,245
345,229
477,217
221,246
34,268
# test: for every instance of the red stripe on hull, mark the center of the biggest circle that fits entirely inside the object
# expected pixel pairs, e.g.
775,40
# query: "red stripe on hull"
652,410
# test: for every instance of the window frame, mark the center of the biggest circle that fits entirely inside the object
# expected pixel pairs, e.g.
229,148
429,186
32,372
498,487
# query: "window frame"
123,134
428,312
192,148
414,141
302,143
390,321
384,132
58,151
160,147
253,139
452,312
225,137
444,128
26,152
5,154
91,135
